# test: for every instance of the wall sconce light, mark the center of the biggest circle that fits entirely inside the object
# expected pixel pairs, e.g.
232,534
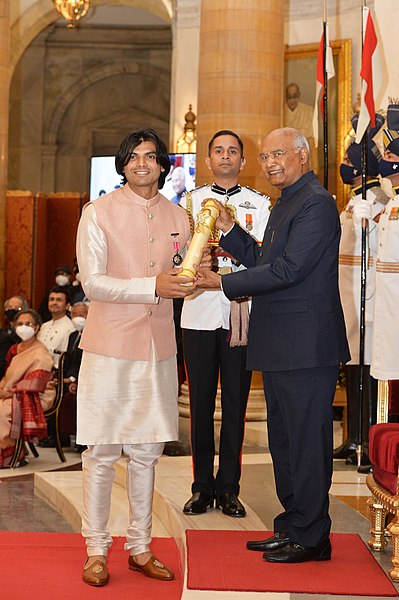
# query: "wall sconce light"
187,142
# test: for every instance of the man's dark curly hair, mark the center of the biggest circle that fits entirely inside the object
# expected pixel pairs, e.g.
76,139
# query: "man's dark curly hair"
131,141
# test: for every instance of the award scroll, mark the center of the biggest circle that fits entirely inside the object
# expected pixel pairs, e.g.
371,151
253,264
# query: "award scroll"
204,226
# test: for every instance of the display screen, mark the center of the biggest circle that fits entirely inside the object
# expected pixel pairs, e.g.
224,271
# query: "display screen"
181,177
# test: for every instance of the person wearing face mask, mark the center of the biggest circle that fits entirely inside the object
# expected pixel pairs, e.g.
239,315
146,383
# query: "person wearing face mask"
73,358
349,286
26,390
62,278
8,337
384,363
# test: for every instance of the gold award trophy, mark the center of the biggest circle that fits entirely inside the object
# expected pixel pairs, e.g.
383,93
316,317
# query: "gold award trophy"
206,219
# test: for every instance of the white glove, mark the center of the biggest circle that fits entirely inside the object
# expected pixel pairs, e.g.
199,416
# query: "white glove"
362,210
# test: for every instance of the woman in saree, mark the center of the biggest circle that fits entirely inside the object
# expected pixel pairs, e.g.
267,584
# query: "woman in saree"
26,390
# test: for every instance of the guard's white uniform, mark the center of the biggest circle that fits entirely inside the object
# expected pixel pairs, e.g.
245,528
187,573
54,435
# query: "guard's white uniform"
350,270
384,352
210,309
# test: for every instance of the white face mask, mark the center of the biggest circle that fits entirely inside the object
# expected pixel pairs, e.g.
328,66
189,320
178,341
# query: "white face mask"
79,323
25,332
61,280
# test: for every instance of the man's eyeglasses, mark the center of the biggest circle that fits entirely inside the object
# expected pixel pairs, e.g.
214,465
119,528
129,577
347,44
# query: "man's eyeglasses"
276,154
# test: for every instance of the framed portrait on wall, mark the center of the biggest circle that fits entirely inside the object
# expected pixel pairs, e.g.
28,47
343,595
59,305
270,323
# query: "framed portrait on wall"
300,75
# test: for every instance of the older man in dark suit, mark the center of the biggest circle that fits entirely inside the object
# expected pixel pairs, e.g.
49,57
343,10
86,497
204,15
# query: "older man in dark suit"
296,338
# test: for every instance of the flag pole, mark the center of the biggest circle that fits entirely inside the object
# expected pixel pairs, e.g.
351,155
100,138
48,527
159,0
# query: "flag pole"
362,282
325,96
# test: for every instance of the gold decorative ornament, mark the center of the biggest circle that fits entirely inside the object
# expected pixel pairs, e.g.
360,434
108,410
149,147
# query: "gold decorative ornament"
187,142
204,226
97,569
72,10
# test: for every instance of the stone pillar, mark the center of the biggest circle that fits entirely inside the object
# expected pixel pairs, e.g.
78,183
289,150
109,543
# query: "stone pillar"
185,56
241,77
4,102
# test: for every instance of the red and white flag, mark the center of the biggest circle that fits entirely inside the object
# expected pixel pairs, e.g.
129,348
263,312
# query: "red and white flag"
320,82
371,74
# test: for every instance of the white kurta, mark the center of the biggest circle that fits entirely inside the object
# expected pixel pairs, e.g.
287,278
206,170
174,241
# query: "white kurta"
55,336
122,401
385,340
350,274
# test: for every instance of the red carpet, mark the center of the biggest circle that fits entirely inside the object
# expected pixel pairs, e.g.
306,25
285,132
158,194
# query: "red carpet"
218,560
48,566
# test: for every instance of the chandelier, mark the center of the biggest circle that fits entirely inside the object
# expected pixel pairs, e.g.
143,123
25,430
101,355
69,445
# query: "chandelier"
72,10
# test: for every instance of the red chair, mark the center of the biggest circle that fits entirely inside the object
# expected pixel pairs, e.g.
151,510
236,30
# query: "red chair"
383,482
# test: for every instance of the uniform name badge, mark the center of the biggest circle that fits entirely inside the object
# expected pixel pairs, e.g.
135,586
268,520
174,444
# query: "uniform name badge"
177,257
394,214
249,222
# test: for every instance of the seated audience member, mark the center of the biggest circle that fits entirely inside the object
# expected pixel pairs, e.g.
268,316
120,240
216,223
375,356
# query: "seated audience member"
26,390
55,333
8,337
73,358
63,279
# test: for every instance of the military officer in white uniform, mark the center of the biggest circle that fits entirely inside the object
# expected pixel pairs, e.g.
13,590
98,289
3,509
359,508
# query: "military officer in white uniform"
214,339
350,281
384,350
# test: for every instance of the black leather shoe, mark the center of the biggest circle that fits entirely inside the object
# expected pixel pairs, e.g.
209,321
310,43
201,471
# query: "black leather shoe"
278,540
352,459
198,504
48,442
345,449
295,553
230,505
365,469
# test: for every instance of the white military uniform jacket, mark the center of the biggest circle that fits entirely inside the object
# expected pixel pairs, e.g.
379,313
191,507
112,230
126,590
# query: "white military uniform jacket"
210,309
385,340
350,269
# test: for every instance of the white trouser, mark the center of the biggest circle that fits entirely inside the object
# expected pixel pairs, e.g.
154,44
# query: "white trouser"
98,476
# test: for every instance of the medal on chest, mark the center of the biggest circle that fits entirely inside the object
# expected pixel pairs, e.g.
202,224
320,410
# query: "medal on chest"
249,222
394,214
177,257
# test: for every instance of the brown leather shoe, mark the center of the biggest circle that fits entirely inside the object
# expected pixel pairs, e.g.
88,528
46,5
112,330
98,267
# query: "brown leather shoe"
153,568
96,574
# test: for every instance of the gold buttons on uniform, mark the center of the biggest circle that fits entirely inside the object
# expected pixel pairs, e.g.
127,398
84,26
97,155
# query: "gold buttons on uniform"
150,313
152,263
150,216
151,239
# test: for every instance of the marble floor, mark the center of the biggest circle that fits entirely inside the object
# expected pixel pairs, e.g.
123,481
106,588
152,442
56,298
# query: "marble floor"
46,496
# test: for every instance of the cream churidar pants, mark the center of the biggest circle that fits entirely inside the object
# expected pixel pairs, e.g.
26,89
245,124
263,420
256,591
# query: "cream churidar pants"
98,475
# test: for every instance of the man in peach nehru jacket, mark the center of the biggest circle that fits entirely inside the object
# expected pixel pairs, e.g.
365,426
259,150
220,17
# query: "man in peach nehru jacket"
128,244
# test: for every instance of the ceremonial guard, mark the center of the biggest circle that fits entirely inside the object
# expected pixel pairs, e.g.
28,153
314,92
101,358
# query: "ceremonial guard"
350,281
215,337
384,350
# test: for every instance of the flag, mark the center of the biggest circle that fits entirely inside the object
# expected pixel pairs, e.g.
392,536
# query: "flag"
320,82
371,74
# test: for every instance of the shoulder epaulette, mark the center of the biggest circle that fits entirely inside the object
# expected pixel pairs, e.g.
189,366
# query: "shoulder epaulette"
380,195
256,192
200,187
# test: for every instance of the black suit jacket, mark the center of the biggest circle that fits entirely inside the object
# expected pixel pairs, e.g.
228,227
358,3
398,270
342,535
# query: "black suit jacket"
296,320
73,356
